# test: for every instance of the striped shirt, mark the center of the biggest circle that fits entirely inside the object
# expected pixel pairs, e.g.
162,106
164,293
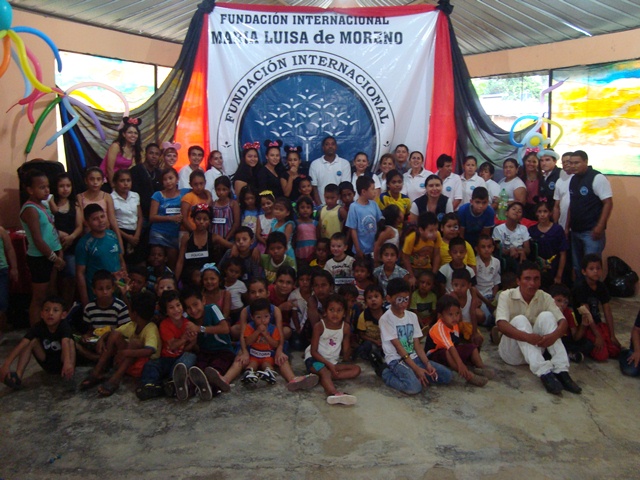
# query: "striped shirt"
114,315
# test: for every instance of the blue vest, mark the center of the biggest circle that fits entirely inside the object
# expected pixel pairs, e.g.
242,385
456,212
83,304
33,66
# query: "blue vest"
585,206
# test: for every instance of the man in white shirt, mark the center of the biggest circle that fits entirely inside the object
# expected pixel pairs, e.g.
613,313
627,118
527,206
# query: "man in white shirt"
530,323
196,154
451,184
329,168
561,192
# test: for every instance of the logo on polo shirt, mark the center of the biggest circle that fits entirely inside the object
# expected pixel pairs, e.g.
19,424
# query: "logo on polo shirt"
339,173
422,185
552,185
448,189
472,188
440,217
584,191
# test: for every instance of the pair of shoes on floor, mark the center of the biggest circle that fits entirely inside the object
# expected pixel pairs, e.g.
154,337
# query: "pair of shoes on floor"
303,382
181,378
554,383
267,375
250,379
576,357
341,398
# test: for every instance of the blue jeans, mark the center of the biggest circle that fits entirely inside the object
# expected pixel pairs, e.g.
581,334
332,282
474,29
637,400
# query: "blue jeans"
581,244
155,371
399,376
625,368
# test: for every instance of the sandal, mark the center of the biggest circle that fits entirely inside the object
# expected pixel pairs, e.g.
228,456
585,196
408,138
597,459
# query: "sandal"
107,389
90,382
12,380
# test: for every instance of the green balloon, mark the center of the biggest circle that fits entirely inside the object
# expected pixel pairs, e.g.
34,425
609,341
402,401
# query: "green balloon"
36,127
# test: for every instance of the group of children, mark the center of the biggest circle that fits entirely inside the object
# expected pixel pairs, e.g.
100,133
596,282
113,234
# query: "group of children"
230,287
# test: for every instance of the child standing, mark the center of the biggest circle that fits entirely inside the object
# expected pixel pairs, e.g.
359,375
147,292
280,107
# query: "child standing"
94,180
340,266
329,220
306,231
44,251
265,219
443,345
363,218
97,250
423,299
487,276
457,253
347,195
330,337
421,249
477,217
283,214
590,293
216,169
388,230
394,195
49,341
389,268
248,208
212,292
323,248
450,229
198,195
408,368
513,237
552,245
156,265
126,205
242,249
276,256
196,154
469,305
226,211
235,287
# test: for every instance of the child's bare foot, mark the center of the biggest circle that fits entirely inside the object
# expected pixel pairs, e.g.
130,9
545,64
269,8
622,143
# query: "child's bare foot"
487,372
477,380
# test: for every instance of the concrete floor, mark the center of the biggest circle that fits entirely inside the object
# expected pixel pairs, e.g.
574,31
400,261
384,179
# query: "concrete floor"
509,429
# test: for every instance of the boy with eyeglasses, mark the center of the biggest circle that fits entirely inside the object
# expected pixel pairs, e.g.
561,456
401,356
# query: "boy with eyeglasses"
408,368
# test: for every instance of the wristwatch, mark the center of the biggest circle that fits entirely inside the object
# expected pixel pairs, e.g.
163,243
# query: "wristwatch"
203,329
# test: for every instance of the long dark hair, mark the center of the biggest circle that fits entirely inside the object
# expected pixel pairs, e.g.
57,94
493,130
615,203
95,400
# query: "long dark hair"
72,195
245,170
137,147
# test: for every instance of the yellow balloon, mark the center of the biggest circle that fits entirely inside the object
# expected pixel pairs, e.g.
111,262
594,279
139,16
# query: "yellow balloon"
534,141
24,63
89,100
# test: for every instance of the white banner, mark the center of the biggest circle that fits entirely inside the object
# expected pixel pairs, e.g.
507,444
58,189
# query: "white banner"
299,77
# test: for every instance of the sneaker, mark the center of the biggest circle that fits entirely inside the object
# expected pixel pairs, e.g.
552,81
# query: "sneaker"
567,382
148,392
341,398
576,357
551,383
169,388
199,379
181,381
377,363
478,380
216,380
303,382
267,375
250,379
484,372
495,335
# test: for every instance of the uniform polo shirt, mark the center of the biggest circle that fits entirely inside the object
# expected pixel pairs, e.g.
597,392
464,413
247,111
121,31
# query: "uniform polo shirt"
415,186
323,173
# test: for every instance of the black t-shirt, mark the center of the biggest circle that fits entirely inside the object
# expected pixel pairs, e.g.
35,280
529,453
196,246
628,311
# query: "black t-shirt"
145,184
51,341
584,295
269,181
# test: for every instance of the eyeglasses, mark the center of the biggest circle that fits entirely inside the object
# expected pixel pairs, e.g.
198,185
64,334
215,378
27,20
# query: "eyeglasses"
402,300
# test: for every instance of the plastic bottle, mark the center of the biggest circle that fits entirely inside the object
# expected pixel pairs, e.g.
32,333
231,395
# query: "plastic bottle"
503,203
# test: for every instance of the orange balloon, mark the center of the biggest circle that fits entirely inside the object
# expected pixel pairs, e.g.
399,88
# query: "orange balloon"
6,56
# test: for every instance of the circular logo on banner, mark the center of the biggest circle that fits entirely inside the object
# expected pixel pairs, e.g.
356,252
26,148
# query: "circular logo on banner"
303,97
584,191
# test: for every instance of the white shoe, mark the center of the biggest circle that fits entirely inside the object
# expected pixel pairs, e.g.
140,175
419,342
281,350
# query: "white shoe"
341,399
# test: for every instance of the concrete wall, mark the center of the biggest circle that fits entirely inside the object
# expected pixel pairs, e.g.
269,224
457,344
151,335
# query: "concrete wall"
15,129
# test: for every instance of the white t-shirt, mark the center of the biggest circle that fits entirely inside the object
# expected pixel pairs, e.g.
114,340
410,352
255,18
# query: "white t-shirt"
415,187
323,173
452,187
300,305
561,194
487,277
235,292
405,329
494,189
468,186
511,238
511,186
354,178
446,271
382,182
184,174
342,272
210,178
126,210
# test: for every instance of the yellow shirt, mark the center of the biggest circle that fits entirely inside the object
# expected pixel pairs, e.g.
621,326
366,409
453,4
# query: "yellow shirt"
403,203
421,253
330,221
469,259
149,336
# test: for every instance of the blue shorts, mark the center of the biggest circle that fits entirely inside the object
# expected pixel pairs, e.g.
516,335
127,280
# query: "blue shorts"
4,290
70,266
313,363
157,238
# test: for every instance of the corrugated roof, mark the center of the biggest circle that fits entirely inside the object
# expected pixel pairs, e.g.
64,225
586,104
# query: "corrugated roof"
480,25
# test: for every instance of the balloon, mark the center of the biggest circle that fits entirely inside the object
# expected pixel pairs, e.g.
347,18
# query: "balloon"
38,124
106,87
6,15
28,89
24,62
69,125
513,127
6,55
549,90
74,137
47,40
32,104
88,111
90,100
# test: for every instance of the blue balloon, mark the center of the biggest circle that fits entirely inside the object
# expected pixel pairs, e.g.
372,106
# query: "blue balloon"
6,15
513,126
48,41
27,84
74,137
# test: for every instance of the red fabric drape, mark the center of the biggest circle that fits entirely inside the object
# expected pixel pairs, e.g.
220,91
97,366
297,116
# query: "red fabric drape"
193,122
442,124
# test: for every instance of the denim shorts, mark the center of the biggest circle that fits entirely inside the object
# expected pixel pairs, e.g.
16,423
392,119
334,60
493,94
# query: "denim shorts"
157,238
313,363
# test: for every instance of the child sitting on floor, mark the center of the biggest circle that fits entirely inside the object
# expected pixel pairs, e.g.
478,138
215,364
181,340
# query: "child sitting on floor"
49,341
276,256
408,368
330,337
443,345
574,340
368,329
423,299
457,252
322,253
389,268
130,346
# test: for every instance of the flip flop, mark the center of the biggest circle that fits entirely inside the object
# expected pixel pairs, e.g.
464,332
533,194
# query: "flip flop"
107,389
12,380
90,382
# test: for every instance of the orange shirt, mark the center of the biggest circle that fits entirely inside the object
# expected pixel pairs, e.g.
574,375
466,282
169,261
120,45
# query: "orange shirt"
441,337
